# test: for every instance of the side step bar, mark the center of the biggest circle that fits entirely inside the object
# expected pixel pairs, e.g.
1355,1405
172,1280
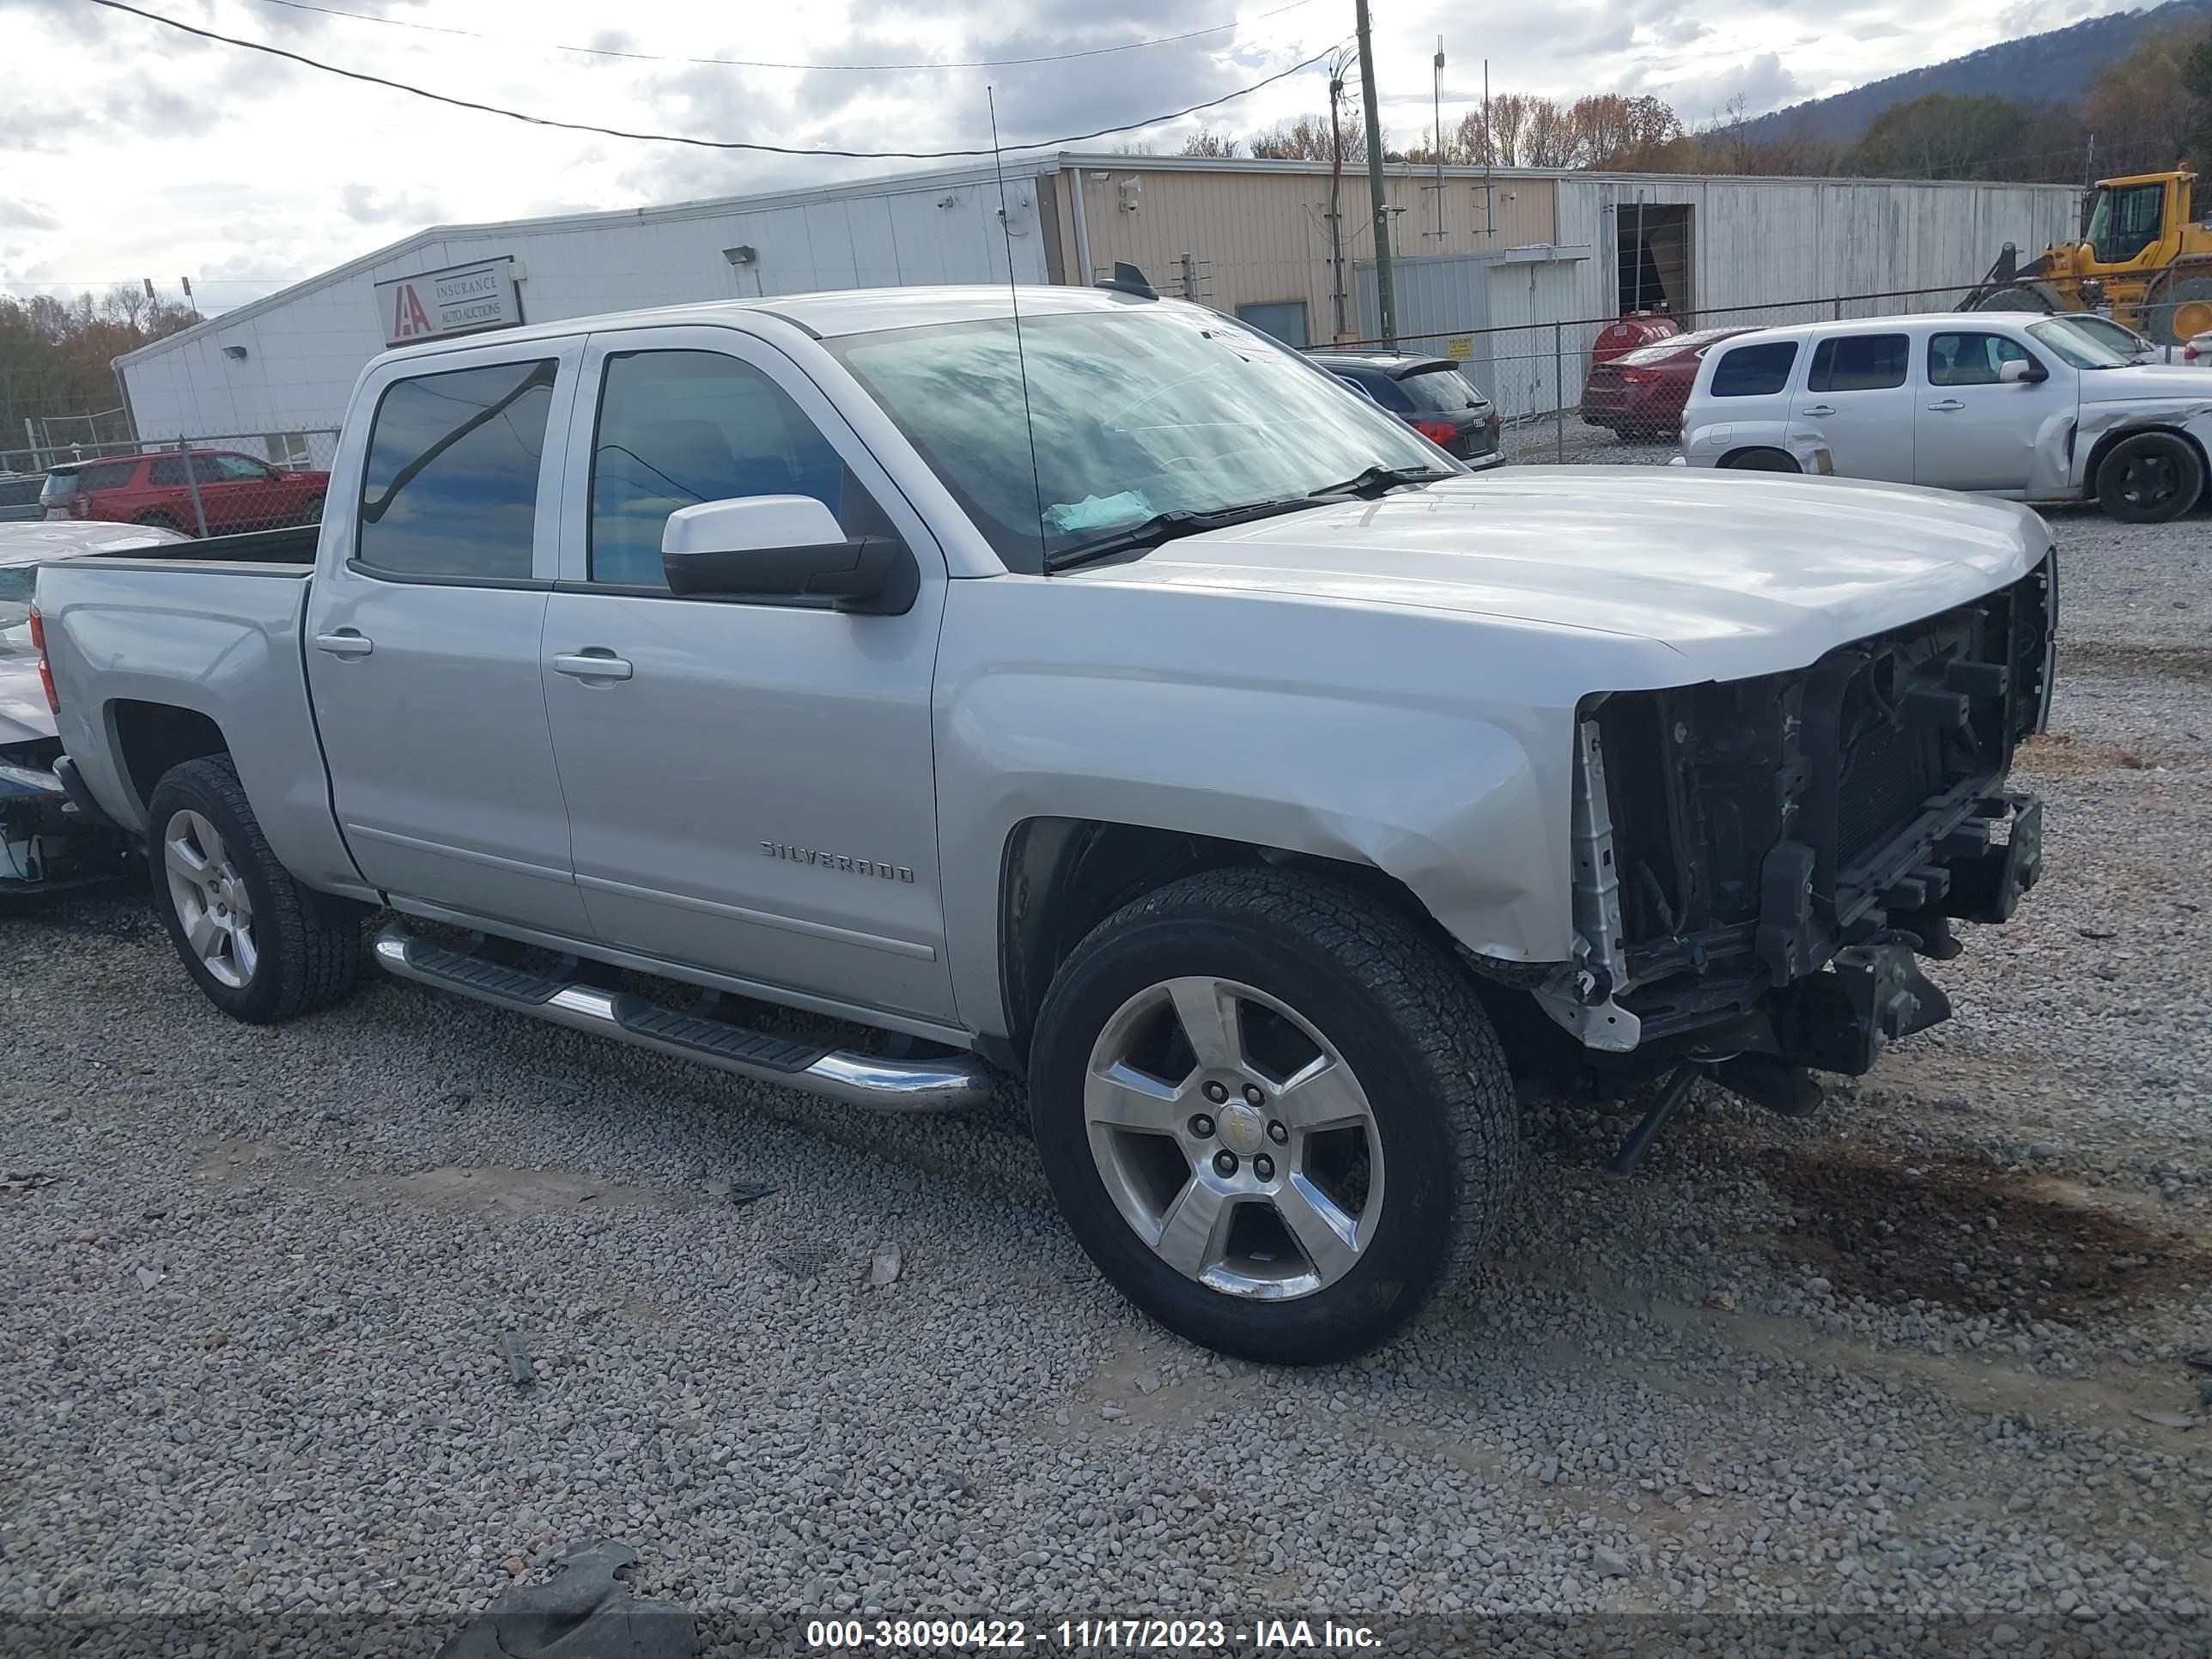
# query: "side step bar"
950,1084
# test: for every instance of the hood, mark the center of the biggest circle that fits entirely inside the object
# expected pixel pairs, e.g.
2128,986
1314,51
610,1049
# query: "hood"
1738,573
24,716
2149,383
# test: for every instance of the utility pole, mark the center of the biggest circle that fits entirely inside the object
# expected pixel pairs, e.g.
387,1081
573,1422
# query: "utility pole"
1437,132
1386,298
1336,194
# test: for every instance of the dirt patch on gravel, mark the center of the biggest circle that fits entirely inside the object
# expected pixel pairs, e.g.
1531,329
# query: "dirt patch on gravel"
2060,754
2172,662
1969,1237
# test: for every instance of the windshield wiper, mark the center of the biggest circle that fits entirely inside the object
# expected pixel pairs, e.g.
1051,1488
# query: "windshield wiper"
1379,480
1166,527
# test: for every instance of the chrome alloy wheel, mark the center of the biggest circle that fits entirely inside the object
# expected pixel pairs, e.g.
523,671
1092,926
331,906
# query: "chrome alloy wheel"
1234,1139
211,898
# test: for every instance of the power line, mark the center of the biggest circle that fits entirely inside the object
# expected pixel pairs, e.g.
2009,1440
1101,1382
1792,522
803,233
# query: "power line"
705,144
753,63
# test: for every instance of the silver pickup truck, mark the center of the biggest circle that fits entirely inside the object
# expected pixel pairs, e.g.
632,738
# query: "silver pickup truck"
1104,696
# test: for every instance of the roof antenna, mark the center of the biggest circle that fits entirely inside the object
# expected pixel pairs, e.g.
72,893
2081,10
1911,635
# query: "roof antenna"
1014,296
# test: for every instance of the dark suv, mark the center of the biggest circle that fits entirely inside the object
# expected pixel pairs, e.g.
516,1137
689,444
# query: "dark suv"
1428,393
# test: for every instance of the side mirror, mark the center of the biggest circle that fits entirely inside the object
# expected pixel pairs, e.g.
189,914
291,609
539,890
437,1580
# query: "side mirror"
2018,372
784,547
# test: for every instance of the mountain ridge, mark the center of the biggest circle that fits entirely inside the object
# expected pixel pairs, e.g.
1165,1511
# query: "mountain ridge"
2057,65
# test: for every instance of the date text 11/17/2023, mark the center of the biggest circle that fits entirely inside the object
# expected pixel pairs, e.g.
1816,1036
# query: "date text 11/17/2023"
1291,1636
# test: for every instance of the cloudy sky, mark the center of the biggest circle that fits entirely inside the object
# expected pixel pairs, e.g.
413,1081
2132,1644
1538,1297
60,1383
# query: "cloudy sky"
130,150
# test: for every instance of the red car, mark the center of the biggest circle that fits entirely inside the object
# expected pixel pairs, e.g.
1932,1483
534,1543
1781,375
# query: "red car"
224,491
1640,393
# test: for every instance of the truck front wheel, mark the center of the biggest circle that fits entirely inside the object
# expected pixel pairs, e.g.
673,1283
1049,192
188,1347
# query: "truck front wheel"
1273,1113
260,945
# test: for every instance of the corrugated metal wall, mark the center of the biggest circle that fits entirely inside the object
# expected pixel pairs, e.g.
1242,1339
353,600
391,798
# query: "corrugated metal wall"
304,349
1258,231
1262,237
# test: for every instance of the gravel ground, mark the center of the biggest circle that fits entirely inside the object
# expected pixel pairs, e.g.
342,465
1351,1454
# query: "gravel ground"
1914,1372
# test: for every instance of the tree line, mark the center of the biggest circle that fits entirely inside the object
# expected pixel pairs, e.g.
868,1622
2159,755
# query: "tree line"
54,358
2150,111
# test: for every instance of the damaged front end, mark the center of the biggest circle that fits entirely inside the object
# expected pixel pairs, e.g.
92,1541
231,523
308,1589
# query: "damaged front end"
1762,865
47,843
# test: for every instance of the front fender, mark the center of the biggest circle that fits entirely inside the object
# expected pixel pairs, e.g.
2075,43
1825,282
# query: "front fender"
1239,719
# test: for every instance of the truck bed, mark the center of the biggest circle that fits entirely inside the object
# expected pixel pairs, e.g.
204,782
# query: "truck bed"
293,545
218,638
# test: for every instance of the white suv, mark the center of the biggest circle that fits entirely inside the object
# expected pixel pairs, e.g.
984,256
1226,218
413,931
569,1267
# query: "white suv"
2030,409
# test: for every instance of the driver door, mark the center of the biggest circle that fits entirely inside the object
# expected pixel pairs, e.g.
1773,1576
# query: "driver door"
1974,430
751,785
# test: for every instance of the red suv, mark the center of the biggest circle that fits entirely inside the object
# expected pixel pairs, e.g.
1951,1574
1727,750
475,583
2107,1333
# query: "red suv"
235,492
1640,393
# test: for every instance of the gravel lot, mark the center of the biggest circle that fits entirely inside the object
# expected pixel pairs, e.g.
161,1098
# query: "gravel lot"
1923,1359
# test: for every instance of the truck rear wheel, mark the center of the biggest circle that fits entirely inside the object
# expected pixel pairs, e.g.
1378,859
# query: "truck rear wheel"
260,945
1275,1114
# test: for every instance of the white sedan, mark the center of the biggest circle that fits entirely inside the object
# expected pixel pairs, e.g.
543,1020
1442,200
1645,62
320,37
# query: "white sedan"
2033,408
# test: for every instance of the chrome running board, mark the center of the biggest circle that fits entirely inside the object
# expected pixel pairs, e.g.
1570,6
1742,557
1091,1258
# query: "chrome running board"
950,1083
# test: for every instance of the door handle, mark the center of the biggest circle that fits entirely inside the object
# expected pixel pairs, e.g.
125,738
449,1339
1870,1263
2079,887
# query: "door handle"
593,662
1946,405
1818,408
346,642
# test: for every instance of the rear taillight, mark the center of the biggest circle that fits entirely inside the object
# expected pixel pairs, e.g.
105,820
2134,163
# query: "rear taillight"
1637,376
45,670
1436,432
78,506
2190,353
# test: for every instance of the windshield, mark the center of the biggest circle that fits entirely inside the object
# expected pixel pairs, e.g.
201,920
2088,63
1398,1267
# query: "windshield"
1439,391
1132,413
2074,346
2118,336
1675,344
2125,222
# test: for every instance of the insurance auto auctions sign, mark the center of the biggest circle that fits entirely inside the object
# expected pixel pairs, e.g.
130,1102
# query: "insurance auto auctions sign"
462,299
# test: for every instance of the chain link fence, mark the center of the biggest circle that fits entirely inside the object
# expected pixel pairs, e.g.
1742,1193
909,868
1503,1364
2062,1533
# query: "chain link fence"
211,484
1535,373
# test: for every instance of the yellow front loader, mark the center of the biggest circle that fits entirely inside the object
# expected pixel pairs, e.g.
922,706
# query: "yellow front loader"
2145,255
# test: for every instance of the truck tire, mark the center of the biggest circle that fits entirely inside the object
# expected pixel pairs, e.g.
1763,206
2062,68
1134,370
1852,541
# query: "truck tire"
260,945
2179,310
1275,1114
2150,477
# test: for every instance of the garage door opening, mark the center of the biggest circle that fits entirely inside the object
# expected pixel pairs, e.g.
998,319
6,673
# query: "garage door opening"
1654,241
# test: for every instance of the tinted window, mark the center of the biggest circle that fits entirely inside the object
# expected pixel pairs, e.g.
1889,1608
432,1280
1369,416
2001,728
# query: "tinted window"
227,469
1859,362
451,488
1754,371
1971,359
20,492
678,428
167,473
1386,391
105,474
1439,391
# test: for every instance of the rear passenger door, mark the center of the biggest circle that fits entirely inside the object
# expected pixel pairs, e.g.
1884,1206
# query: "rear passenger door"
1857,403
423,627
